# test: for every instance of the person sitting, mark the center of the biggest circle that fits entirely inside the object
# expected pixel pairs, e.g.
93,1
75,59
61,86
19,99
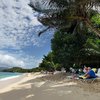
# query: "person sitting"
90,74
85,70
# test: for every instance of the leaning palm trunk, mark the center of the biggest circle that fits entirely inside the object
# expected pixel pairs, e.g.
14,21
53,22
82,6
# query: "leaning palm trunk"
69,15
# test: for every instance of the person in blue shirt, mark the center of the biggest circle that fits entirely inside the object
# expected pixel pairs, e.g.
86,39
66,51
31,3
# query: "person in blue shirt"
90,74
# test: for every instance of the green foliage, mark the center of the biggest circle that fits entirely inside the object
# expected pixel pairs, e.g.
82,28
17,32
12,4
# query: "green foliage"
15,69
96,19
58,67
75,41
93,46
37,69
48,63
67,48
21,70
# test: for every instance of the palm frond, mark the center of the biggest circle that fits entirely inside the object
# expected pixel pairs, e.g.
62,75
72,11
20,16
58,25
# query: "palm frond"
59,13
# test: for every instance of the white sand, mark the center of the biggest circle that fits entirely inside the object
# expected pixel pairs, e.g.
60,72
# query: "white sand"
8,84
64,84
30,88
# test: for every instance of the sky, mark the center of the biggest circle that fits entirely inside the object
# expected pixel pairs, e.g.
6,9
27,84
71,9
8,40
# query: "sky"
19,41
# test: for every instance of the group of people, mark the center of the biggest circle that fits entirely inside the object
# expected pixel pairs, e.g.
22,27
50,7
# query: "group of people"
86,73
89,73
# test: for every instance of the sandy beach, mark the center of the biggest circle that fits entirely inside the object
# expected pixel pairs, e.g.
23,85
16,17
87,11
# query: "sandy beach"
36,86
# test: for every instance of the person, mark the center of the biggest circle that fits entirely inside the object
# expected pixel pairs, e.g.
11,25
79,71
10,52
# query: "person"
73,72
81,72
90,74
85,70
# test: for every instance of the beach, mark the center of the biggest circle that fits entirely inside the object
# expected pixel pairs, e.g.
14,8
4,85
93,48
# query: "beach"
37,86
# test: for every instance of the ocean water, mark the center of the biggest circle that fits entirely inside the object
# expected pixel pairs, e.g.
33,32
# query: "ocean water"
8,74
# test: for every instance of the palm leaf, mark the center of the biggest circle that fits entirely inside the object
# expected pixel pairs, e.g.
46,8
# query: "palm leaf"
59,13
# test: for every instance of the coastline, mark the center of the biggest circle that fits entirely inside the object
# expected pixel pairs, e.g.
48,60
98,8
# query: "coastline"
7,84
37,86
9,81
7,78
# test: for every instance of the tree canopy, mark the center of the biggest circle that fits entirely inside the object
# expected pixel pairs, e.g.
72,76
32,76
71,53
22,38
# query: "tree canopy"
77,35
72,15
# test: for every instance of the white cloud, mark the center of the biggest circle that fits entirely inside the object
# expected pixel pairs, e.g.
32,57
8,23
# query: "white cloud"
18,29
19,59
31,61
18,24
10,61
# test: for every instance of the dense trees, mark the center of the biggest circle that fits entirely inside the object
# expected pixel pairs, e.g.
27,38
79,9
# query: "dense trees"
77,36
21,70
69,49
49,64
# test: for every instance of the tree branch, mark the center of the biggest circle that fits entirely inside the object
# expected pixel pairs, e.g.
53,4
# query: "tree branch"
43,31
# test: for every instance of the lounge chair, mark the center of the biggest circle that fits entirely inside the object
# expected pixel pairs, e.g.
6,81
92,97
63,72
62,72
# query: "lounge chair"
98,73
94,69
90,80
83,79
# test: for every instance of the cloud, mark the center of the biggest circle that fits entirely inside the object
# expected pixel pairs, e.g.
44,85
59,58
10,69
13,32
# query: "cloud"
19,59
18,30
10,61
31,61
18,25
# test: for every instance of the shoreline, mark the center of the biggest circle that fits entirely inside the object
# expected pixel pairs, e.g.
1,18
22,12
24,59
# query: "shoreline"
7,84
36,87
10,77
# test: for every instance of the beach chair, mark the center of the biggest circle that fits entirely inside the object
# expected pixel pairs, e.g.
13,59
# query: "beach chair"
91,80
98,73
83,79
94,69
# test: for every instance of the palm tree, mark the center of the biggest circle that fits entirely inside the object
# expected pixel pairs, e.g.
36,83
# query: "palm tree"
72,16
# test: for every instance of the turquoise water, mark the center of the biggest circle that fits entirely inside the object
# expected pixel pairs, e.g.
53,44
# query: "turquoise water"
8,74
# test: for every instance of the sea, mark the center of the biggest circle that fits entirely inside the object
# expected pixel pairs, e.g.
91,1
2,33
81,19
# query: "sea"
8,74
